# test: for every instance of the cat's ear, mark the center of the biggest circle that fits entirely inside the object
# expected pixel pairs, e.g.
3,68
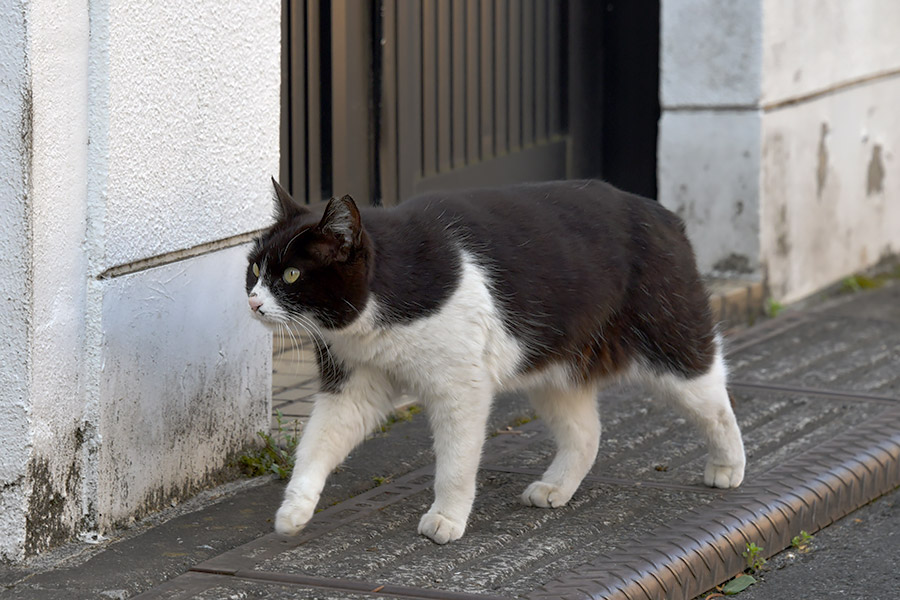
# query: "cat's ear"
341,225
286,208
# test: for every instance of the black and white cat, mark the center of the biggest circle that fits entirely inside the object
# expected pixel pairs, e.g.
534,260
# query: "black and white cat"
551,288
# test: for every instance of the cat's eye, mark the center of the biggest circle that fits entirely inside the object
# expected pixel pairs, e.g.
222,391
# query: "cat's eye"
291,275
255,270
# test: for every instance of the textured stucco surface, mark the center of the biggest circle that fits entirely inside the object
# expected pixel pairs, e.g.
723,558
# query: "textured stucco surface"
830,187
15,274
813,46
191,121
186,380
58,48
128,132
710,53
708,169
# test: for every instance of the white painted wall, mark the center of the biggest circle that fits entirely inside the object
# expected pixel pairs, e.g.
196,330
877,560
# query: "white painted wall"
709,134
186,374
710,53
15,275
815,45
710,161
813,88
131,139
190,115
831,187
58,34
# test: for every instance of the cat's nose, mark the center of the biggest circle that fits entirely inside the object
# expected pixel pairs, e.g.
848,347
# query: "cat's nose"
255,302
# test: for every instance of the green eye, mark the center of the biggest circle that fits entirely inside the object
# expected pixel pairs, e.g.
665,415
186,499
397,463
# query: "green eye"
291,275
255,270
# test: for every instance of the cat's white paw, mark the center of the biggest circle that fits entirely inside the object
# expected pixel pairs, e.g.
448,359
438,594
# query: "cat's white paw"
440,528
294,514
545,495
723,476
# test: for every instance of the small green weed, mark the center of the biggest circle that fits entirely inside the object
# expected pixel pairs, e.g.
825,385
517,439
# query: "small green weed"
276,454
801,542
773,308
403,415
754,558
755,562
858,283
379,480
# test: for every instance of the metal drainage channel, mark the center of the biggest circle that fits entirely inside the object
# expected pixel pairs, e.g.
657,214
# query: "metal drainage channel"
688,556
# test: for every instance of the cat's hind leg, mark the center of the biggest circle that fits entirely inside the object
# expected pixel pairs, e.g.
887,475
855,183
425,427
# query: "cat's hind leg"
704,401
572,415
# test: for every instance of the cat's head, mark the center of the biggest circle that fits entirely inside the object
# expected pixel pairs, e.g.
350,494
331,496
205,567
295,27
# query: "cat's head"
310,265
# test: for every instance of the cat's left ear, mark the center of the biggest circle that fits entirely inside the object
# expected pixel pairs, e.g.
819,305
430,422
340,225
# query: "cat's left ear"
342,225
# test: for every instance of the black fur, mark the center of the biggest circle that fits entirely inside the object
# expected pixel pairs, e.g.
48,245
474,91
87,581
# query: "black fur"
583,272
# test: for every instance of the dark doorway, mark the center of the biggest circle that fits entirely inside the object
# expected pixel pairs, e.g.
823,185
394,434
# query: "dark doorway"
614,91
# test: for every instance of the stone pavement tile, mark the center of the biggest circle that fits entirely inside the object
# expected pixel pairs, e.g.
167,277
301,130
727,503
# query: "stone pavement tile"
155,549
284,380
293,394
297,409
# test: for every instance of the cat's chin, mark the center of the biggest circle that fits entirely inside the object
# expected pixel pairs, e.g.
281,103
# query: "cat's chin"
270,322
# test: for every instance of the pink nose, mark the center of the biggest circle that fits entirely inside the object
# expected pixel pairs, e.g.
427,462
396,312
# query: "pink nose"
255,302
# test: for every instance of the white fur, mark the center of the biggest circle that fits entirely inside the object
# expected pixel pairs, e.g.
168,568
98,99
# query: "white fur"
455,360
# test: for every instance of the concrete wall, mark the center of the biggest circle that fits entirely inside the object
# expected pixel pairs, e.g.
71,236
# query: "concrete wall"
709,135
139,163
804,92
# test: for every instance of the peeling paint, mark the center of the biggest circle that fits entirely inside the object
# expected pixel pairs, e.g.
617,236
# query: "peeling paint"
875,175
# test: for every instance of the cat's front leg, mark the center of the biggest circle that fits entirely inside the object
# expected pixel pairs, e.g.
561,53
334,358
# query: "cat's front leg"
458,423
339,421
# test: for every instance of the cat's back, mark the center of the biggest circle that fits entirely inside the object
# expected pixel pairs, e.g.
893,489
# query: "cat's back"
563,258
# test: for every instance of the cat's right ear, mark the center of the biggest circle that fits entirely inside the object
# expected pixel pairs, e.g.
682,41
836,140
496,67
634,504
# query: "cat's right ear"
286,208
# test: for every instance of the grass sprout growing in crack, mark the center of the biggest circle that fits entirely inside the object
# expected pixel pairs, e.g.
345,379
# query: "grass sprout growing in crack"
754,558
276,455
802,542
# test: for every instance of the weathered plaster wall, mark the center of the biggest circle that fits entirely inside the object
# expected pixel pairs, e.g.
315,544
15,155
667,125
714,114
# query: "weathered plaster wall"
805,92
830,187
126,138
710,54
186,123
186,376
810,46
709,135
58,46
15,276
830,137
190,115
710,161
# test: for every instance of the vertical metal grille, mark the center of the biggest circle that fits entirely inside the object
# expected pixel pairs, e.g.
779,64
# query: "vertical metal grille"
306,101
464,93
475,80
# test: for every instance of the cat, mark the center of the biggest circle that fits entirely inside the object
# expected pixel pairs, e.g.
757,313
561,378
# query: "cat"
551,288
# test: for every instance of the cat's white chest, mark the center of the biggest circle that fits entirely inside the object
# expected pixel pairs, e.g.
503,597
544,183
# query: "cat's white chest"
464,338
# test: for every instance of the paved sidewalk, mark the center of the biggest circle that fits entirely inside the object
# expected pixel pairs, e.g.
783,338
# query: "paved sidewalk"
817,395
